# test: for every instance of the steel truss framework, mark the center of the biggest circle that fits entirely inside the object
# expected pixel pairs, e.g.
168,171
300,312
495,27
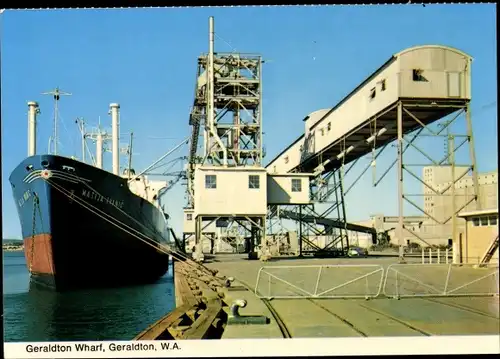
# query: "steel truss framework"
328,225
403,123
409,112
236,124
233,134
227,107
252,229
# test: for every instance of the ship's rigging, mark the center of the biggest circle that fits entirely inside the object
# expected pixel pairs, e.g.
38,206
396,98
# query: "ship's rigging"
56,93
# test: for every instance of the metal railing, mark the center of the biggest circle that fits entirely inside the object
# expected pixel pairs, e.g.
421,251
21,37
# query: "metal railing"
437,256
372,281
320,281
440,280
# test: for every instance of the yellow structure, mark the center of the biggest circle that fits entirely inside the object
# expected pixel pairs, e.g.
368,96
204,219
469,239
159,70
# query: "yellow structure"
289,188
481,232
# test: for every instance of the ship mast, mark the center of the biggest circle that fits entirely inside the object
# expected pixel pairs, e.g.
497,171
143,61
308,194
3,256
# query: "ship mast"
56,93
81,127
100,137
130,155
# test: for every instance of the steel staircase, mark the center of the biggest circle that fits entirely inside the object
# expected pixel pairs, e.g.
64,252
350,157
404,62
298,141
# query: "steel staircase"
491,250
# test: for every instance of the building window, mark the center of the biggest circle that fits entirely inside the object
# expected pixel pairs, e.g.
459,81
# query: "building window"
382,85
493,221
253,181
484,221
329,126
210,181
475,222
189,216
418,76
286,159
296,185
373,93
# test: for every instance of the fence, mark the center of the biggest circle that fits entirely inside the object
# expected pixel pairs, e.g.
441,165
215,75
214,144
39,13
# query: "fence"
431,280
437,256
320,281
446,256
372,281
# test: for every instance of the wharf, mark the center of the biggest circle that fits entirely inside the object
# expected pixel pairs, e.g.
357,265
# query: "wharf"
353,317
328,297
199,307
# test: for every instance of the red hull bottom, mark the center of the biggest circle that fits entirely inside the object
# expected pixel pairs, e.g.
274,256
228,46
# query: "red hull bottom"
88,266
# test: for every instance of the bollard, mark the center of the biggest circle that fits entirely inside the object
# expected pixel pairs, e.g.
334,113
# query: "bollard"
447,253
439,255
430,255
236,318
228,282
423,256
237,304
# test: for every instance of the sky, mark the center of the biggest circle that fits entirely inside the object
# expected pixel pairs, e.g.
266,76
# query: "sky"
145,59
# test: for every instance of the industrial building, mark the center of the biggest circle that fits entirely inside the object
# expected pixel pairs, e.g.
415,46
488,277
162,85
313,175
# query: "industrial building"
388,225
228,184
441,207
429,232
479,243
413,89
432,233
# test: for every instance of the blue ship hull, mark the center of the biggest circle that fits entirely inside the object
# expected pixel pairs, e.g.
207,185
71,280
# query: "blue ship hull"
84,228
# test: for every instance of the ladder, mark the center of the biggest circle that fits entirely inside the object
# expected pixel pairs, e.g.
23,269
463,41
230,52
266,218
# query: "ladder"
491,250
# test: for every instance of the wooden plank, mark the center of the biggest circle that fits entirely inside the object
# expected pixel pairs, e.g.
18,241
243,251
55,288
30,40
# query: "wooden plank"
200,327
162,325
183,293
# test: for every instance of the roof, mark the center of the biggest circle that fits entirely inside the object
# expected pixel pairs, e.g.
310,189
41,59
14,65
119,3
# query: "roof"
478,212
299,174
230,168
286,149
433,47
316,114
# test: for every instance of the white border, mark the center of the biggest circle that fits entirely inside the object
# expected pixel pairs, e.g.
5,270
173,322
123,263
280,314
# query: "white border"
269,347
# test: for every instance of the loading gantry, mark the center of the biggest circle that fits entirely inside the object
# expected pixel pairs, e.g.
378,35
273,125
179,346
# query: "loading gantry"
227,110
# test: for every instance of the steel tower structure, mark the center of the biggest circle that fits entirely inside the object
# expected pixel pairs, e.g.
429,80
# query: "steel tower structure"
227,113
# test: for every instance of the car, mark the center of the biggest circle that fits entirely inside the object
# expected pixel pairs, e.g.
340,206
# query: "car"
357,252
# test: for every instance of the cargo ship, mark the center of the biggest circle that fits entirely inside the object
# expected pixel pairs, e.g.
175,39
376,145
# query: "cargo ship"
86,227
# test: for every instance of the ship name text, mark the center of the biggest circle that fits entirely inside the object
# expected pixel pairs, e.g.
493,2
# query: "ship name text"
68,168
26,195
99,198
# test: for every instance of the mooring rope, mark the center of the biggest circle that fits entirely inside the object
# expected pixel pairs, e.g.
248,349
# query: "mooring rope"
122,226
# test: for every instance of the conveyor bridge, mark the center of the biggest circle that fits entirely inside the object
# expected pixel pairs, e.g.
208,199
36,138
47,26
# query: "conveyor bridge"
328,223
367,118
399,102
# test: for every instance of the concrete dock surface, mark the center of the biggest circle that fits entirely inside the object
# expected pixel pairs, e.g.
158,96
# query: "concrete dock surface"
362,302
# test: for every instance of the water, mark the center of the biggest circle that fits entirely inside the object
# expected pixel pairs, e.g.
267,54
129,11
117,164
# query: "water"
33,314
